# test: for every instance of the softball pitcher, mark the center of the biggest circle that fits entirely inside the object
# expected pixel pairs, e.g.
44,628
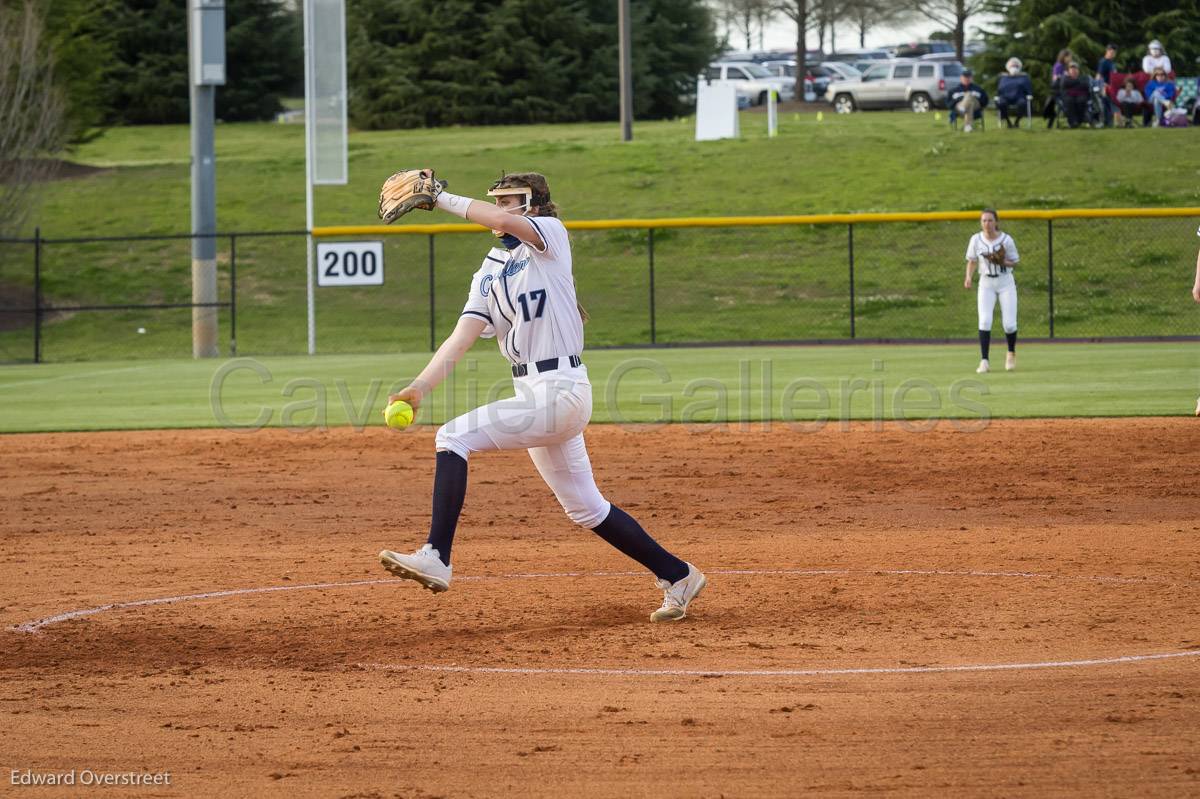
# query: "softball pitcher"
523,295
1196,297
994,253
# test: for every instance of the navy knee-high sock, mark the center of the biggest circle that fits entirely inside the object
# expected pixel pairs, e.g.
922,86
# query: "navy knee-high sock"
449,491
985,343
1012,341
623,532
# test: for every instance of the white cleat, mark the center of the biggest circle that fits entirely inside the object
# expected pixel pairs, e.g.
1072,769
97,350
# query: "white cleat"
425,566
677,595
983,367
1010,362
967,128
1198,407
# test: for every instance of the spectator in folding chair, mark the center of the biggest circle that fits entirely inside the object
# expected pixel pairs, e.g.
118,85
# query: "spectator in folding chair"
1061,63
1130,100
1075,92
1014,92
1053,109
1186,97
1104,72
966,100
1160,95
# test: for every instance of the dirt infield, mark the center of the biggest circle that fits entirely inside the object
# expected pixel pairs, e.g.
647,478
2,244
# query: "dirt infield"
1004,612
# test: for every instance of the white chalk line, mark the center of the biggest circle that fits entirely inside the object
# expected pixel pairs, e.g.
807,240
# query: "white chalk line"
614,672
71,376
37,624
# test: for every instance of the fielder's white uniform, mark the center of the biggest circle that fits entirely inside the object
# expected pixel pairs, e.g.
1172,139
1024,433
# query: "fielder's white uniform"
527,298
995,281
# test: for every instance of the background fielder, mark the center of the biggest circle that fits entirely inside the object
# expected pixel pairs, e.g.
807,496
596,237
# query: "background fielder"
1196,297
995,254
523,294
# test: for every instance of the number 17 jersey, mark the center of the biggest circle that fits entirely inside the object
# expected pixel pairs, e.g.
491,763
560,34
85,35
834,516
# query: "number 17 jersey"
527,297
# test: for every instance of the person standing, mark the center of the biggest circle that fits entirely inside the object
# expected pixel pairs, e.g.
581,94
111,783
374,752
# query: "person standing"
1104,71
1196,297
1156,58
994,253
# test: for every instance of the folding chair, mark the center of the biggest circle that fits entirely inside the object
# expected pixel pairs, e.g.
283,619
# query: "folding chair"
1028,113
1187,91
980,120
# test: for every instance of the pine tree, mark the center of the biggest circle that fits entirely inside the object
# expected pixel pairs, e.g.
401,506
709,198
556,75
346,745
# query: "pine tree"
420,63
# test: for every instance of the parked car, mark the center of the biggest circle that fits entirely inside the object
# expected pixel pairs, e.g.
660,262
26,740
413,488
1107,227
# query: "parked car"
843,70
759,56
950,56
819,76
918,49
753,80
815,79
863,66
855,56
919,85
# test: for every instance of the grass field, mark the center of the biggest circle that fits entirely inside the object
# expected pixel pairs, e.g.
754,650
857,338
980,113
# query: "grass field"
645,386
1111,278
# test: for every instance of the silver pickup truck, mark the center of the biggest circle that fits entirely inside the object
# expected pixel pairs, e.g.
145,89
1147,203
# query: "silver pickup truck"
917,84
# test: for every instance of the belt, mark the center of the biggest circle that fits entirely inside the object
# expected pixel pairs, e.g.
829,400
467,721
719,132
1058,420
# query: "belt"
548,365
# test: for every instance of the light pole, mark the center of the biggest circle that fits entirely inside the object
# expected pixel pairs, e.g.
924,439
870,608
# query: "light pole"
206,48
626,70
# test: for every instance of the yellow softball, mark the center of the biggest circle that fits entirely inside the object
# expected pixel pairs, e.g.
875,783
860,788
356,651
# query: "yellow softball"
398,415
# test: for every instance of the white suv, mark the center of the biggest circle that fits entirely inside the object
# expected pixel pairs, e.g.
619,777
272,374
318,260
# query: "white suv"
753,81
919,85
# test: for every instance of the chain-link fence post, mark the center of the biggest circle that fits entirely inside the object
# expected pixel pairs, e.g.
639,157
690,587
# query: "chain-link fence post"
233,296
37,295
650,249
850,252
1050,271
432,312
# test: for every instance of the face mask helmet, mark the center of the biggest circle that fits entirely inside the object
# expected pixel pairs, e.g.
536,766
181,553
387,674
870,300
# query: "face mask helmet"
533,190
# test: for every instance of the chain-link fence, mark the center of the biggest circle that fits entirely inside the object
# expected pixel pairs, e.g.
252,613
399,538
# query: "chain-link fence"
856,278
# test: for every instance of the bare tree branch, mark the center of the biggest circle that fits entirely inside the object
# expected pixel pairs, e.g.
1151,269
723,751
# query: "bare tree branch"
31,109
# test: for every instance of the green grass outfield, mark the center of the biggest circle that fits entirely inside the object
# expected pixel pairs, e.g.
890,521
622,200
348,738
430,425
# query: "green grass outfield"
688,385
1113,278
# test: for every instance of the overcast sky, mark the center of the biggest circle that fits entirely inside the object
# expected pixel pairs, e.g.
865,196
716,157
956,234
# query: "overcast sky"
782,34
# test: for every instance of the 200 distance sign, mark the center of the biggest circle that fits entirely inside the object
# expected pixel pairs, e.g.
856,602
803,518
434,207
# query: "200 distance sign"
350,263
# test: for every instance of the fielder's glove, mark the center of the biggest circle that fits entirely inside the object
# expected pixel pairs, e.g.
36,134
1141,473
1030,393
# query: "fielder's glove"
406,190
997,257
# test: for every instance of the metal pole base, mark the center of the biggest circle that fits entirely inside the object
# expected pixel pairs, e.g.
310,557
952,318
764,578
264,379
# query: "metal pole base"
204,320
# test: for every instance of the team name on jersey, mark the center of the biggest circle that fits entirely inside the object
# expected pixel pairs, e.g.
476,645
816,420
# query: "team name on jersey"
510,269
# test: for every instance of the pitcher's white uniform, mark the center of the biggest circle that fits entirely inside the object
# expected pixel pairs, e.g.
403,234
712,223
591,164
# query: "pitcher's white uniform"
527,298
995,281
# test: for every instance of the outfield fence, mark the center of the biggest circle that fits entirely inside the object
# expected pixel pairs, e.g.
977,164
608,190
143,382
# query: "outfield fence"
1089,274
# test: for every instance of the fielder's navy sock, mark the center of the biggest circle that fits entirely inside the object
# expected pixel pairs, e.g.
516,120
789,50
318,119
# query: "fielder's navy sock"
623,532
1012,341
985,343
449,491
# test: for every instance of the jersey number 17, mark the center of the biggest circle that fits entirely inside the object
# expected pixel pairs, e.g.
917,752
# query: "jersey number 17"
537,296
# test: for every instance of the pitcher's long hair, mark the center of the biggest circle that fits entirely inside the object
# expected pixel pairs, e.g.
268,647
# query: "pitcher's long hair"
540,199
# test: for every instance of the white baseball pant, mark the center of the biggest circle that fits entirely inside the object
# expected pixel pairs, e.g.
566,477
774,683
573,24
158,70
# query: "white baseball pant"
1004,288
546,417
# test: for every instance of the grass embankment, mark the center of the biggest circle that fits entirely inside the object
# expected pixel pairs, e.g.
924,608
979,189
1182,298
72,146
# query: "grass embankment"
1118,278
